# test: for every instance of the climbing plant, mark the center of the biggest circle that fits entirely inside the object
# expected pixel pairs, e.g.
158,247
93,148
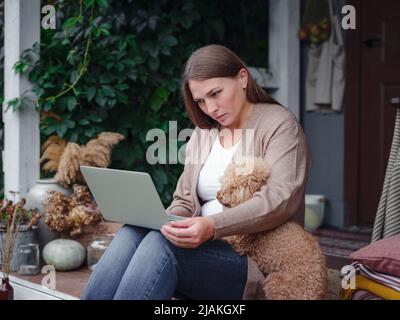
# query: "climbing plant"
116,66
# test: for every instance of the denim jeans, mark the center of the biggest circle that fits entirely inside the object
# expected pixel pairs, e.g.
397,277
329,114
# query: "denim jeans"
142,264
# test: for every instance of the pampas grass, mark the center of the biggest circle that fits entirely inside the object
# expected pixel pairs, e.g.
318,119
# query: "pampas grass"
52,151
66,158
68,170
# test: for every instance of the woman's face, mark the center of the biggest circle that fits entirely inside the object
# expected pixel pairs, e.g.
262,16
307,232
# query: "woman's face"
223,99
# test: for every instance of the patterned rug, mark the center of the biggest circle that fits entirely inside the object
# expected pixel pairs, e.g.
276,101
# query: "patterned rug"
341,243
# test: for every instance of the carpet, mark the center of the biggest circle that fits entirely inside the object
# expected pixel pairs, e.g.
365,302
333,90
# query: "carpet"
334,284
339,242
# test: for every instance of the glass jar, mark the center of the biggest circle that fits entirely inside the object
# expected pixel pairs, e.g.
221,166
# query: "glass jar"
28,259
96,248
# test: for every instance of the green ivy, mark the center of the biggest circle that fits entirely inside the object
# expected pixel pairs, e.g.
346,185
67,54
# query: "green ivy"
116,66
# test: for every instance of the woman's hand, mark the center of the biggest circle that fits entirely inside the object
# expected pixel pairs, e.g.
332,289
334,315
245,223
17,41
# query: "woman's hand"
190,232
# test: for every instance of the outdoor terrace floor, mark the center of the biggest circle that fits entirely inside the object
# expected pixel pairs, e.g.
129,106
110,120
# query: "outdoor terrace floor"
336,244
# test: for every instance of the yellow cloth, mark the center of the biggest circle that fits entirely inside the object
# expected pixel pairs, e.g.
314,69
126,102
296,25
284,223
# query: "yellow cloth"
363,283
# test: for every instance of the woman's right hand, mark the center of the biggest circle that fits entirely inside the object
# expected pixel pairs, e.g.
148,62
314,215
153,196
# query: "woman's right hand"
190,232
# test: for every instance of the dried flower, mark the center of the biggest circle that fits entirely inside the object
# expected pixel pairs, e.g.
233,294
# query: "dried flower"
70,214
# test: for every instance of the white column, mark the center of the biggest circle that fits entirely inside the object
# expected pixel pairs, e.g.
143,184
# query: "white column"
21,129
284,52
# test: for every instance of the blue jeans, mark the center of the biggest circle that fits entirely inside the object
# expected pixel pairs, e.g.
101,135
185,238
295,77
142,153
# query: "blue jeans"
142,264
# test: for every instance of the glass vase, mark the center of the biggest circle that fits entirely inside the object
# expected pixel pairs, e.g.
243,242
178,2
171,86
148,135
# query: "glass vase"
6,290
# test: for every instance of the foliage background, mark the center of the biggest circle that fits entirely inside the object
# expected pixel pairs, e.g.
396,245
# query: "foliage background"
118,64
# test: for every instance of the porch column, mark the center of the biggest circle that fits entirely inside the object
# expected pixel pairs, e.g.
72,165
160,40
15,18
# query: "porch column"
284,52
21,129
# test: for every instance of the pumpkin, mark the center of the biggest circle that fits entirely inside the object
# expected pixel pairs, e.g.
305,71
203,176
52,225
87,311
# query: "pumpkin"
64,254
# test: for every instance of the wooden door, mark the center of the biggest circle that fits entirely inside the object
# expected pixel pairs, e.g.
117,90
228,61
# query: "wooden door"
377,50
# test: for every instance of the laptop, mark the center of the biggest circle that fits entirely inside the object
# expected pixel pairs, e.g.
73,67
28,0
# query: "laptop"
127,197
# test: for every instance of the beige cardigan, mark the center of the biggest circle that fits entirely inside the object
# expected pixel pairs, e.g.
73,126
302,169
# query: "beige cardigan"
274,134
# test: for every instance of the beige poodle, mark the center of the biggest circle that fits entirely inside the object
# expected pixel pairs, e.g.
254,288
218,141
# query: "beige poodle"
289,256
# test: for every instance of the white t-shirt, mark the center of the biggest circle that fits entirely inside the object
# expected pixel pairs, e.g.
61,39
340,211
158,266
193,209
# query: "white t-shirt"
208,183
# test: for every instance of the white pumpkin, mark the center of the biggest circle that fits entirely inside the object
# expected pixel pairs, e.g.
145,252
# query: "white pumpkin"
64,254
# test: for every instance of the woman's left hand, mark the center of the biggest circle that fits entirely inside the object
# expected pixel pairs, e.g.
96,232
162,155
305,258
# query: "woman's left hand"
190,232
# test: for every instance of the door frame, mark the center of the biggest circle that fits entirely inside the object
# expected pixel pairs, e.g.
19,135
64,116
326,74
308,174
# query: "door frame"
352,117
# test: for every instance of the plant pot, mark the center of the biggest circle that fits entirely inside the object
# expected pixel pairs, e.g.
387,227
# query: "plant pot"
23,236
36,199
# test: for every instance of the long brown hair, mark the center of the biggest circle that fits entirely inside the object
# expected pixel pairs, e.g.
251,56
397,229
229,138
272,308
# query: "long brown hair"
216,61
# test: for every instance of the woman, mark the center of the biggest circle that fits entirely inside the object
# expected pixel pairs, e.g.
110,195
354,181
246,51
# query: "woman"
187,259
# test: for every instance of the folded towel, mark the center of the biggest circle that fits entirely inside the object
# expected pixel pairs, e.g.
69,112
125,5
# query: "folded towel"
382,278
364,295
363,283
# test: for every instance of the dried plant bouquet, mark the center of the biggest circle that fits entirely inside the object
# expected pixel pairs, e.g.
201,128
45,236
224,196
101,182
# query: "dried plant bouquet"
65,158
12,216
69,214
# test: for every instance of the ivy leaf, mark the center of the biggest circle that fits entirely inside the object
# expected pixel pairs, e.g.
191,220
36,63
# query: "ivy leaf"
91,93
69,123
20,67
84,122
154,63
170,41
158,98
122,97
71,103
153,22
122,86
102,3
15,104
61,130
49,130
94,118
166,51
88,3
108,91
73,76
151,48
90,132
100,99
104,79
109,65
70,22
112,102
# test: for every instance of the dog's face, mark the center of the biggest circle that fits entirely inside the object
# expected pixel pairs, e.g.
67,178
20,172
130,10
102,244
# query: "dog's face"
238,187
